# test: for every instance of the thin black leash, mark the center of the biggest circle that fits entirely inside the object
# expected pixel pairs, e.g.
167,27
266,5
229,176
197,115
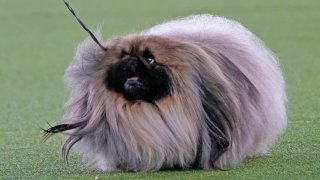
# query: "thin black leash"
84,26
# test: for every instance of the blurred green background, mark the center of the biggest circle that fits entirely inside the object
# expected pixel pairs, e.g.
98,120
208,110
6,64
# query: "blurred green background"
37,41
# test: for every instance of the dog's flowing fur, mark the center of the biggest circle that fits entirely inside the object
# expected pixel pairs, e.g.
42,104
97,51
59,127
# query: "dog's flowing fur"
227,100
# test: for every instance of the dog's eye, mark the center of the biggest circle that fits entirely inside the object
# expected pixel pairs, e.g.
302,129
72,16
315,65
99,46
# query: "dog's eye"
149,58
151,61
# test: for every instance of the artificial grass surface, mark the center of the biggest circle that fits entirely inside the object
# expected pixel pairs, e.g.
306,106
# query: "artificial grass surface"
37,41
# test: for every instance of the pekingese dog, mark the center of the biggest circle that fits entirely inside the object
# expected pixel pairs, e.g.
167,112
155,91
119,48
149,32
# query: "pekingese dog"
197,92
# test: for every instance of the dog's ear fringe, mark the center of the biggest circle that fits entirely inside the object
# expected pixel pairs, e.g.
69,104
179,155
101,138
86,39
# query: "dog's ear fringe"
85,62
47,133
67,145
69,142
87,49
218,124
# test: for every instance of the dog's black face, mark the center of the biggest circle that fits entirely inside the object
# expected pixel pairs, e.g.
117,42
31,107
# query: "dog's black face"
138,76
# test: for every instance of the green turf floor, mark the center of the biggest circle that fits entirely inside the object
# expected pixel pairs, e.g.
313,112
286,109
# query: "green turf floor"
37,41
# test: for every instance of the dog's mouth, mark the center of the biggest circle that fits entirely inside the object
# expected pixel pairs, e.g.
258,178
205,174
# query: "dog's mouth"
133,83
136,87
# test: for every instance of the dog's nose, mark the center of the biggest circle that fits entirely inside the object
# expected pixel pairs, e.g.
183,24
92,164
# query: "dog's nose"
133,60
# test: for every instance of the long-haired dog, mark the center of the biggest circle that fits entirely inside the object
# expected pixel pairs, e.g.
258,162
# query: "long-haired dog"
198,92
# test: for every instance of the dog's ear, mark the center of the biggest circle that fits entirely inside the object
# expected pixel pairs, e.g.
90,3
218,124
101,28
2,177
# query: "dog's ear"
217,122
70,141
78,118
61,128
